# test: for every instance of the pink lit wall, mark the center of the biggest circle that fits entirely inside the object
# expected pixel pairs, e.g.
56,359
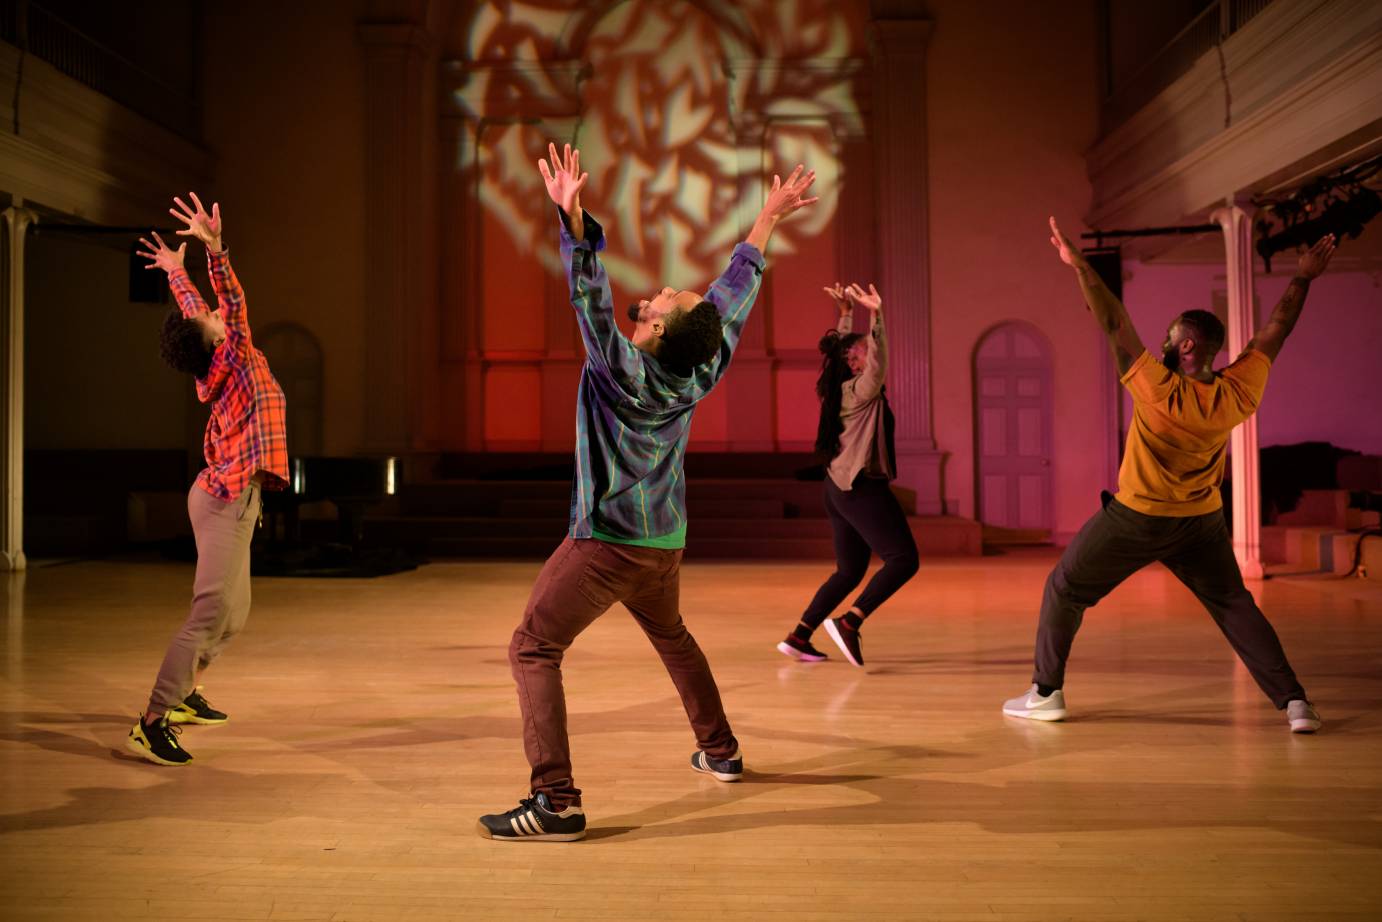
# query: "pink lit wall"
1327,383
1009,121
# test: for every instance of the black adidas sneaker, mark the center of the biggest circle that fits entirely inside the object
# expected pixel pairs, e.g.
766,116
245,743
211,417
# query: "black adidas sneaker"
534,820
731,769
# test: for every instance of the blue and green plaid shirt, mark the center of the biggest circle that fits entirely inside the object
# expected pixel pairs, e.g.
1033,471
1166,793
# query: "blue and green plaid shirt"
633,416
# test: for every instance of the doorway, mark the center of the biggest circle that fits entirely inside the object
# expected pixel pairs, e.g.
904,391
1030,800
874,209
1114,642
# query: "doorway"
1013,437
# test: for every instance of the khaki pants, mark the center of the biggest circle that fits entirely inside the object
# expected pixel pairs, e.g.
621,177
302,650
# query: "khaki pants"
579,583
220,591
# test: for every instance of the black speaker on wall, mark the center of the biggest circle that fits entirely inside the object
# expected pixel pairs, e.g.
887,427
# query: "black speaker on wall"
1108,262
147,286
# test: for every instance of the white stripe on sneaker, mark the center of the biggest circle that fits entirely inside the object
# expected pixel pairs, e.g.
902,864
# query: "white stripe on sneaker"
518,830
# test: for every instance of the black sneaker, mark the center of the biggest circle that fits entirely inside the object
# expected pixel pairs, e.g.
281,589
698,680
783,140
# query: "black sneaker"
157,742
846,638
731,769
534,820
196,710
800,650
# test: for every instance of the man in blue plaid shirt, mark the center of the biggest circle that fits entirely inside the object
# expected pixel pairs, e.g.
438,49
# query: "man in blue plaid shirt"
628,510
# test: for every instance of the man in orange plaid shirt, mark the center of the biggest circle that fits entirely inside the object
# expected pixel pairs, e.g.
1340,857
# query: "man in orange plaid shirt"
246,451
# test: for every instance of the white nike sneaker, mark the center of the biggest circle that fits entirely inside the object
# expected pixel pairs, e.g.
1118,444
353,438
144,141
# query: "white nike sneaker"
1034,707
1303,716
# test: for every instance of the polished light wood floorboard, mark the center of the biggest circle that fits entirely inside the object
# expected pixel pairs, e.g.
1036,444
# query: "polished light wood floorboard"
373,721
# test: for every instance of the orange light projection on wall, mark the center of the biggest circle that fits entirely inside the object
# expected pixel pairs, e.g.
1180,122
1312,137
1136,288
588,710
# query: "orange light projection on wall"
681,111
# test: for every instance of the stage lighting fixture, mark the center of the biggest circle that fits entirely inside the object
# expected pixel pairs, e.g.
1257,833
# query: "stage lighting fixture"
1338,204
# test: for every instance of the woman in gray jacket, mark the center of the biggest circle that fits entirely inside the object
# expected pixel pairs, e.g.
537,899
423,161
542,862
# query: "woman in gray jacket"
855,440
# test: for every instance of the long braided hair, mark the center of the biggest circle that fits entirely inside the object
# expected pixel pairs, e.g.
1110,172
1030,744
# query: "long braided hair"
834,348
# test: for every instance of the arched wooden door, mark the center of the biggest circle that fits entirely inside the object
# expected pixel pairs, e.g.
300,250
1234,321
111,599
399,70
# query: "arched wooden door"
1013,430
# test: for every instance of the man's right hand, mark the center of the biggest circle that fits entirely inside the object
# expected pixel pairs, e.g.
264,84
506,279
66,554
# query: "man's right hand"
160,256
564,178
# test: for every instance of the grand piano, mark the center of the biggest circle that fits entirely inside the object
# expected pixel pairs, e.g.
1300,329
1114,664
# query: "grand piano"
352,485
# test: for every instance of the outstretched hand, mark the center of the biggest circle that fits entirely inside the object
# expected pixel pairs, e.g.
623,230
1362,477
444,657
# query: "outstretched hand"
837,294
162,256
204,225
1069,253
786,197
870,299
1316,259
564,178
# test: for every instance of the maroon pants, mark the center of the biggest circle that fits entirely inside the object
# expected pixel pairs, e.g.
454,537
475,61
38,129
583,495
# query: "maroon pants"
578,584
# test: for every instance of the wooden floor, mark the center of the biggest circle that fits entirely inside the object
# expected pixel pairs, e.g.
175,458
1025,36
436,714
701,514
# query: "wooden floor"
374,720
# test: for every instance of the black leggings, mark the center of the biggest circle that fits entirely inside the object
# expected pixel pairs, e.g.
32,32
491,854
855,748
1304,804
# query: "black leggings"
864,519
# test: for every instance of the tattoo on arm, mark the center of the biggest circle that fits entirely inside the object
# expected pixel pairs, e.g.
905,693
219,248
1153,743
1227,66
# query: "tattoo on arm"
1292,302
1273,334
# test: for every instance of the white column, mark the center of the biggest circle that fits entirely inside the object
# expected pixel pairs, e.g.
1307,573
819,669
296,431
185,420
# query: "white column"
14,224
1236,220
903,246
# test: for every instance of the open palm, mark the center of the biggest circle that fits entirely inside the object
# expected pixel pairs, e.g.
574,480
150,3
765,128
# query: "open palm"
786,197
202,224
160,255
870,299
563,177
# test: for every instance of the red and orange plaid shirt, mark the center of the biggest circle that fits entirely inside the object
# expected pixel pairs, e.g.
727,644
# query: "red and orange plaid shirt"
246,433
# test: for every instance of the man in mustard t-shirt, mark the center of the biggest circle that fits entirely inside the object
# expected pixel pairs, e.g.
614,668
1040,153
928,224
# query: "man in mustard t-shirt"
1168,507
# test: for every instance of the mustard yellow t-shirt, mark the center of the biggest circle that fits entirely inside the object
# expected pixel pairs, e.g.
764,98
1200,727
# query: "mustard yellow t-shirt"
1174,461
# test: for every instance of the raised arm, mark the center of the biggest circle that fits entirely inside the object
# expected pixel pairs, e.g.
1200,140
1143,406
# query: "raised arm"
734,292
870,381
582,238
1312,262
161,256
1112,316
845,325
206,226
783,199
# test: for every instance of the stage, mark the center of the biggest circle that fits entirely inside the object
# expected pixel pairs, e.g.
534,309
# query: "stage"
372,722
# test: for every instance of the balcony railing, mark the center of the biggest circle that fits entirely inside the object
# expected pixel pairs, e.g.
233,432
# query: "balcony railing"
35,30
1215,23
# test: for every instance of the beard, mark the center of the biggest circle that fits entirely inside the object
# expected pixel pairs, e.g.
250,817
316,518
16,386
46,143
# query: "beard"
1171,359
633,312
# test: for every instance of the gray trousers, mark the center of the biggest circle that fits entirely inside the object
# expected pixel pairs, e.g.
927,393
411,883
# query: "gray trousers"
220,591
1118,542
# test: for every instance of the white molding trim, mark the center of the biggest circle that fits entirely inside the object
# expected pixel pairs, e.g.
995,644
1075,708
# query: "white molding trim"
81,153
1302,76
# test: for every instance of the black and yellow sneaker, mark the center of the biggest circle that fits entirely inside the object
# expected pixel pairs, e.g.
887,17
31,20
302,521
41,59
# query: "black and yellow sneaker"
157,742
196,710
731,769
534,820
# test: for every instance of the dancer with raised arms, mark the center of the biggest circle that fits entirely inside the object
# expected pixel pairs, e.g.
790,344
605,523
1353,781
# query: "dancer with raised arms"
1168,506
628,514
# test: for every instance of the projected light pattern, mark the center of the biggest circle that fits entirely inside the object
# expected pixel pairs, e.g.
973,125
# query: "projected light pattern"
671,120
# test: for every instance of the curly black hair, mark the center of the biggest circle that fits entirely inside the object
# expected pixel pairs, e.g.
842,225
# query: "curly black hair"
183,345
691,338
